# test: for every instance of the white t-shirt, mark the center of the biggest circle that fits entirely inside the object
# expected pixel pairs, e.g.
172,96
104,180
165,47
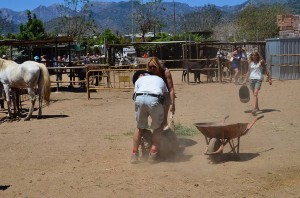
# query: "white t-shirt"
256,71
150,84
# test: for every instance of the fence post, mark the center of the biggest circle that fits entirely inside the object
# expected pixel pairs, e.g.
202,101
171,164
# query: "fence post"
219,70
87,82
271,65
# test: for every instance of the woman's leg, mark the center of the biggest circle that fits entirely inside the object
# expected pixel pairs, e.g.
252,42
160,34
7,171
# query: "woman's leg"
166,111
255,99
2,104
236,73
156,139
166,105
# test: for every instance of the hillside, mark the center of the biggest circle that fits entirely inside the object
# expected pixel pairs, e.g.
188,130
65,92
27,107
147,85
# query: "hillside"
113,15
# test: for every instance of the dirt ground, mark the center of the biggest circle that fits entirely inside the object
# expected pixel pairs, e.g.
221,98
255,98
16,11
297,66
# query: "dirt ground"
81,148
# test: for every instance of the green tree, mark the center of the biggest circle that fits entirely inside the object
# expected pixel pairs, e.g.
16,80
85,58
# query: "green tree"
179,37
108,37
33,29
259,23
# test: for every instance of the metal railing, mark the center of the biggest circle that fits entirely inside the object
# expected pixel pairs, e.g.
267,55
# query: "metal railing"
285,66
285,60
109,79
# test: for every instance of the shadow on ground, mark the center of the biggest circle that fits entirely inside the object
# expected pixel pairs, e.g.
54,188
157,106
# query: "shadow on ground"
19,118
263,111
228,157
51,116
70,89
4,187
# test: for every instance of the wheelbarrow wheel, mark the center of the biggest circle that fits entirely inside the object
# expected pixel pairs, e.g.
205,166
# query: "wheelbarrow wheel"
213,145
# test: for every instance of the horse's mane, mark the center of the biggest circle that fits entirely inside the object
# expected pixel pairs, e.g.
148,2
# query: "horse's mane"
5,63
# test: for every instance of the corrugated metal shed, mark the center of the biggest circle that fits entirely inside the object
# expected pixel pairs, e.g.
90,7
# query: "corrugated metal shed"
283,55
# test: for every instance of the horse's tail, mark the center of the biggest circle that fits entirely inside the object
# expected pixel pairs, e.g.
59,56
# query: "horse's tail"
45,78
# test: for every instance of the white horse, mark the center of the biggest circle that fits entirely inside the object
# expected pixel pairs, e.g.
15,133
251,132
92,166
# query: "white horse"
26,75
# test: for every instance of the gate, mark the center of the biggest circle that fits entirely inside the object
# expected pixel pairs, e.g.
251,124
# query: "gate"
109,79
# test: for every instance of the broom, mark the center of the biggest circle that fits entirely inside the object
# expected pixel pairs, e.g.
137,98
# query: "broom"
172,122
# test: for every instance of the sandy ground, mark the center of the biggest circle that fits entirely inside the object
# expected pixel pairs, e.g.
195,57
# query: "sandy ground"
80,147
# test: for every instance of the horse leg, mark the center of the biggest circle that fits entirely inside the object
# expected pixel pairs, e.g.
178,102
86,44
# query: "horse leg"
197,76
2,98
40,103
18,100
32,98
7,94
216,75
14,100
2,104
209,76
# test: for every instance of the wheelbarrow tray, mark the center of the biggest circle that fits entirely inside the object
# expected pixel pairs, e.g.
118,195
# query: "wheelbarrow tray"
221,130
218,134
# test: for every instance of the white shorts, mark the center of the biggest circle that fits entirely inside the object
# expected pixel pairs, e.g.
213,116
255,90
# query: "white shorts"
145,106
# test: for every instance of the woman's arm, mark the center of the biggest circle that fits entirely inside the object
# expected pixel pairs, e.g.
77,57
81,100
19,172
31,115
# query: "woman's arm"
171,89
267,72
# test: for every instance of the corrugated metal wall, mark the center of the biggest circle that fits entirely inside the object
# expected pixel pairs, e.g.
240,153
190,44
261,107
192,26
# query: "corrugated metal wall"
279,46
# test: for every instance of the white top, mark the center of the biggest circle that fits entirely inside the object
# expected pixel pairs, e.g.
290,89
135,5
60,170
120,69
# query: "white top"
256,71
150,84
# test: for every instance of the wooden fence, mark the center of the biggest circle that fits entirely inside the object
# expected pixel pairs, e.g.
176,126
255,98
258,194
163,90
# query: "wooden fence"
102,76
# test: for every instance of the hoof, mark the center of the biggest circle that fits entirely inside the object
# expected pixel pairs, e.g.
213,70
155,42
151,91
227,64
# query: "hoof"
26,119
39,117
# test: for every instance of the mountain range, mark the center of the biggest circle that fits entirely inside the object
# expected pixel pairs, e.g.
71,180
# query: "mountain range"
112,15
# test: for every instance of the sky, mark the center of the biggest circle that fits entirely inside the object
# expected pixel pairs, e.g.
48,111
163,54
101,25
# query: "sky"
21,5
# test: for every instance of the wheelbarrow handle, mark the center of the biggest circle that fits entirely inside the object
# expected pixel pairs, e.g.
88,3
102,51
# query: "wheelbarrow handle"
253,122
225,119
260,117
